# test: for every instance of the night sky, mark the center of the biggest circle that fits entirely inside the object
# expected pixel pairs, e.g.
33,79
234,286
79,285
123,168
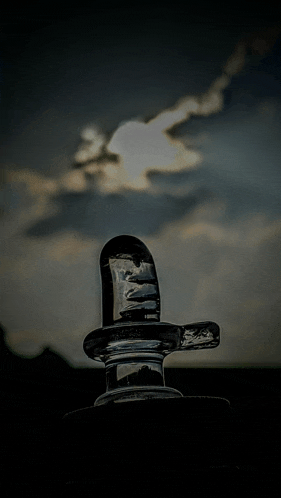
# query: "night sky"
159,121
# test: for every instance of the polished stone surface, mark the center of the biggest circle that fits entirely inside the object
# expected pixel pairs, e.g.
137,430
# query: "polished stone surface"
133,342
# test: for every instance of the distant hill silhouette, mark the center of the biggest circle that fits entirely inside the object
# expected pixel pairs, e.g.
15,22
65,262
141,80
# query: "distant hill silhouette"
48,359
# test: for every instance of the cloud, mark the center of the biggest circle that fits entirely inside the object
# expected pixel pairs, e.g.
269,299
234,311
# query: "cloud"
99,216
127,160
228,274
137,147
93,141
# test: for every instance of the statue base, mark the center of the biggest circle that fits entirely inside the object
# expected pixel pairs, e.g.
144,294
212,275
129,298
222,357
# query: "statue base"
136,393
156,400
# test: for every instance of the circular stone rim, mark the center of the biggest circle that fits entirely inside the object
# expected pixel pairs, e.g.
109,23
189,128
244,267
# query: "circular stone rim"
125,394
97,340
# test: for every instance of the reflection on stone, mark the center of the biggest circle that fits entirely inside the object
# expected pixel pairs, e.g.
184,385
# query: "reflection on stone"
142,292
134,287
141,375
139,369
129,282
199,336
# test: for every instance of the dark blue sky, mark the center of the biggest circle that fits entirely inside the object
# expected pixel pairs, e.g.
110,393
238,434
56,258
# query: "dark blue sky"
214,229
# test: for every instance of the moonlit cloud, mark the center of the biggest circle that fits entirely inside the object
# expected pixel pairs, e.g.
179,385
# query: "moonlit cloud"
137,147
93,141
140,147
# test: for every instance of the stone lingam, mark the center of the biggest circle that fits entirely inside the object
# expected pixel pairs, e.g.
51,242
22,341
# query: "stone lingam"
138,419
133,342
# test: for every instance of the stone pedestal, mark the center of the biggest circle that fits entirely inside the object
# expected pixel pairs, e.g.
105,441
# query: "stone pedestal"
152,447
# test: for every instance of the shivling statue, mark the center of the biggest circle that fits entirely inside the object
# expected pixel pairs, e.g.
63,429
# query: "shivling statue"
132,341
